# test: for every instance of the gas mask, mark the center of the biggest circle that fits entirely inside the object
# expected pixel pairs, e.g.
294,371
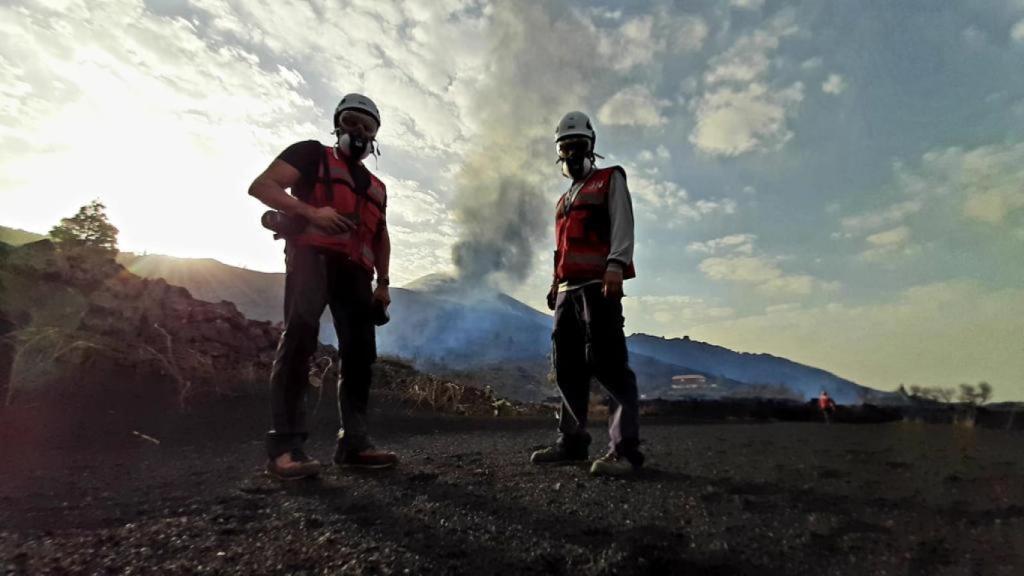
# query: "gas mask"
355,147
356,132
576,156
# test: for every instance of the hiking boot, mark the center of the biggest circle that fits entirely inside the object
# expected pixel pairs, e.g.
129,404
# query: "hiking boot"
367,458
293,465
560,454
612,464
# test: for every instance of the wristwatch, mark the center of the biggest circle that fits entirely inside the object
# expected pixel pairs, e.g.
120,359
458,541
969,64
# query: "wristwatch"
383,281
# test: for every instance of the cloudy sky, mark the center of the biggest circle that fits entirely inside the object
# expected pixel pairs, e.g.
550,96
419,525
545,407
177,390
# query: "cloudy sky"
840,183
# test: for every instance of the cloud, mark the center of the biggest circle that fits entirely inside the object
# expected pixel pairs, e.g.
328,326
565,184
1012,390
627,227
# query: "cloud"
1017,32
764,274
992,206
418,252
689,34
835,84
633,106
665,203
732,121
780,308
735,259
738,243
671,315
660,153
741,110
812,63
747,4
938,334
987,181
750,56
974,36
418,62
637,41
886,245
868,221
742,269
894,237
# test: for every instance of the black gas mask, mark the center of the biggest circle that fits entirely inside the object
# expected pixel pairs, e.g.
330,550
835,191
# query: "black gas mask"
356,132
576,156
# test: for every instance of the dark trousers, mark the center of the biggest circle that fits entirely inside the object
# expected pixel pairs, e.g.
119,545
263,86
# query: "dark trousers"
316,279
588,340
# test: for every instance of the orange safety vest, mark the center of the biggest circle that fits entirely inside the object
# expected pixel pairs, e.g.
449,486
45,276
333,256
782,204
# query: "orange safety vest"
583,231
335,187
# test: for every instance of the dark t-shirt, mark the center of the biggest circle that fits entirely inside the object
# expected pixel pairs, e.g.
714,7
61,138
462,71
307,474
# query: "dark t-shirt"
306,157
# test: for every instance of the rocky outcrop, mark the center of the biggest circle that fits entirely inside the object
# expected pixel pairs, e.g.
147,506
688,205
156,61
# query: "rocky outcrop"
84,269
130,331
203,345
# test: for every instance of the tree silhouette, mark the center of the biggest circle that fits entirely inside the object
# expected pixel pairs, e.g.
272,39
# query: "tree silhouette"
984,392
975,395
88,228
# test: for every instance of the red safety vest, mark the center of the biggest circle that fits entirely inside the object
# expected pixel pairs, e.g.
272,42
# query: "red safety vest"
583,231
824,402
335,187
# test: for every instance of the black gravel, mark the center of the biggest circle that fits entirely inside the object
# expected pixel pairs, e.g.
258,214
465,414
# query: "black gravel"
726,498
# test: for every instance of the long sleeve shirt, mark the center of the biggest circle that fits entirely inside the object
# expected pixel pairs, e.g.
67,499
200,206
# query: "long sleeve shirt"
620,213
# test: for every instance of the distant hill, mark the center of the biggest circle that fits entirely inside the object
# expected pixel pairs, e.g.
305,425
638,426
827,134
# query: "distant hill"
16,237
750,368
440,325
259,295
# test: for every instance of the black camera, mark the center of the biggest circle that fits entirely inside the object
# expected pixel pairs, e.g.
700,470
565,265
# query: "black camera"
282,224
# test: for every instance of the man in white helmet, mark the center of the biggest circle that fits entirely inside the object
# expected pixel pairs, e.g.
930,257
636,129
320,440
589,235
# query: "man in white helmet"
336,238
593,255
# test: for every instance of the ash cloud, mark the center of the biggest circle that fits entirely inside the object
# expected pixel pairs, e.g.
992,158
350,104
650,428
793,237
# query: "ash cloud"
540,62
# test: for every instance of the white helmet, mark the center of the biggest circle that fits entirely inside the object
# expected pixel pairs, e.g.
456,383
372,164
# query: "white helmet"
575,124
358,102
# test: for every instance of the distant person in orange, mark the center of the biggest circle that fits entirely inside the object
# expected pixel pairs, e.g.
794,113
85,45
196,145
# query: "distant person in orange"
336,237
827,405
593,256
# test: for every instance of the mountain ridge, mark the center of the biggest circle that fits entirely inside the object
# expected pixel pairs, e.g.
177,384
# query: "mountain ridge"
439,322
433,325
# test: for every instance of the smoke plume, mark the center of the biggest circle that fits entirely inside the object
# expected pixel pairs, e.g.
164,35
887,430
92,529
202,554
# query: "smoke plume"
540,63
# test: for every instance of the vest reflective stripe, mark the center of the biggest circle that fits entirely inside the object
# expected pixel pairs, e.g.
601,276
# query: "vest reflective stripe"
336,188
583,231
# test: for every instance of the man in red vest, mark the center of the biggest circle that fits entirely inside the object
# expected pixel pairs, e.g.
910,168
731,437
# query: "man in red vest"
594,254
336,237
827,406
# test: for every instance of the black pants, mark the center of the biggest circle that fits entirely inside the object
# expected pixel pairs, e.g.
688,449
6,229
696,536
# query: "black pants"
588,340
316,279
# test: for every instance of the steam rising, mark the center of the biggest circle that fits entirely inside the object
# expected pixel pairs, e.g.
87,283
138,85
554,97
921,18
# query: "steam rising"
505,192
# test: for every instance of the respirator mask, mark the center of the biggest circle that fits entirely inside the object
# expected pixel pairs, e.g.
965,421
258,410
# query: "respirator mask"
576,156
355,132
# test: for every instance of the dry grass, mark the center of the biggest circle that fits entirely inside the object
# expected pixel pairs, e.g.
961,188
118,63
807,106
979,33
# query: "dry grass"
439,396
38,352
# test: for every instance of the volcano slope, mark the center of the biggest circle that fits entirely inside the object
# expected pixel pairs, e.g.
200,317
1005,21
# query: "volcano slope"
185,494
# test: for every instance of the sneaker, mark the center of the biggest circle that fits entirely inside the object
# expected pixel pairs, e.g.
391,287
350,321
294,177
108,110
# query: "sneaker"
368,458
293,465
560,454
612,464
